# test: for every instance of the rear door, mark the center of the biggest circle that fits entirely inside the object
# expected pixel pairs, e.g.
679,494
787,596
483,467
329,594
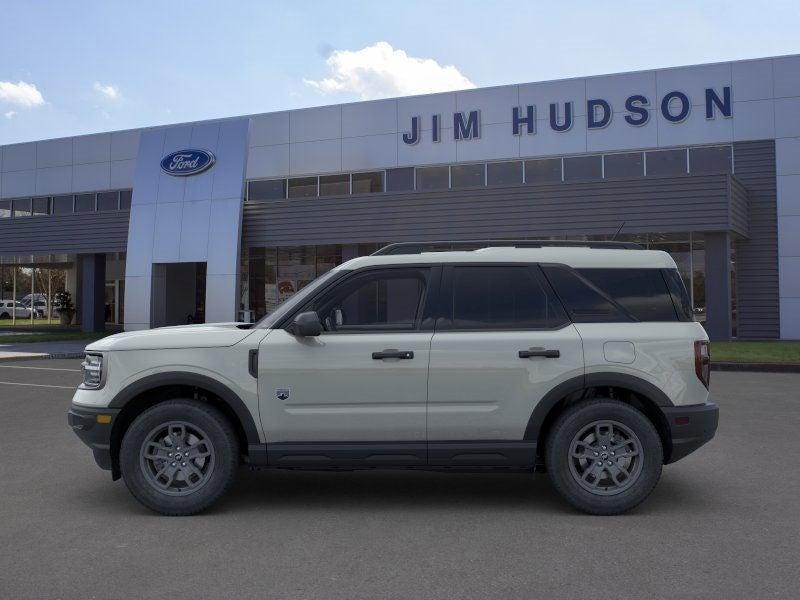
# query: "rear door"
503,341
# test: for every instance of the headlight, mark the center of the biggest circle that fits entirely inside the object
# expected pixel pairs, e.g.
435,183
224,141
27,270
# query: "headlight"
92,367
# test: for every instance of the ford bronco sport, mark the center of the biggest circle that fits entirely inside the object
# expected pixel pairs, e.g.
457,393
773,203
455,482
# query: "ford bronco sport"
579,359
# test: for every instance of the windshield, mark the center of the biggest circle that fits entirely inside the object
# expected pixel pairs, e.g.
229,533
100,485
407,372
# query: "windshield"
295,301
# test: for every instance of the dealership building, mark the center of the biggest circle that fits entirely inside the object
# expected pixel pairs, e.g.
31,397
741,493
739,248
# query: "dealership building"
221,220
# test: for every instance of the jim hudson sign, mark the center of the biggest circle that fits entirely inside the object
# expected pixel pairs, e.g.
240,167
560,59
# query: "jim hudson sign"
674,106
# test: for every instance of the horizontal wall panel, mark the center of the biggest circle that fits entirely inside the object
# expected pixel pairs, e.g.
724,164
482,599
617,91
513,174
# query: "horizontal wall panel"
757,297
58,234
698,203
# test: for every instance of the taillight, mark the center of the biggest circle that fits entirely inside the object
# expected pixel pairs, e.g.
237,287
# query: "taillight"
702,362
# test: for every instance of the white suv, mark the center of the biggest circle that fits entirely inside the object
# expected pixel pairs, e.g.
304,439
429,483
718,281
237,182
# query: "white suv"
581,359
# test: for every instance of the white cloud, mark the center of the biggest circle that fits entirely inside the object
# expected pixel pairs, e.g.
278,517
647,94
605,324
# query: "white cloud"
109,91
20,93
380,71
10,114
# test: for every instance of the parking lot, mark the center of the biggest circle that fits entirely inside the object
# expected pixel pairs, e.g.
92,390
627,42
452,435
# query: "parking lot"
723,523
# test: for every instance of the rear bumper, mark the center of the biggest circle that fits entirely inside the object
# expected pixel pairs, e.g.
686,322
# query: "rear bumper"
97,436
690,427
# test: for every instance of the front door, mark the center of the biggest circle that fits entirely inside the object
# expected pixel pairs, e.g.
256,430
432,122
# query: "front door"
502,343
358,391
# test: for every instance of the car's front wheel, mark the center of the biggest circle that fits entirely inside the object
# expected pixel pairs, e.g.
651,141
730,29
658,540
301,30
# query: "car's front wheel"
179,457
604,456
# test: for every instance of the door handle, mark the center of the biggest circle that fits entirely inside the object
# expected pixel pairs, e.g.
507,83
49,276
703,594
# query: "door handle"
532,352
392,353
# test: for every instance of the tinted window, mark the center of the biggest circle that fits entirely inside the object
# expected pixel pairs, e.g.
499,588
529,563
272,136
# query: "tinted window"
125,199
334,185
578,168
400,180
62,205
630,164
680,297
303,187
543,171
389,300
271,189
84,203
502,298
433,178
666,162
108,201
5,209
584,303
713,159
367,183
41,206
22,207
642,292
504,173
468,175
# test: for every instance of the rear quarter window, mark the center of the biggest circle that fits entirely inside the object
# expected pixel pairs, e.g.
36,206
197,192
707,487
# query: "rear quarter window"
644,293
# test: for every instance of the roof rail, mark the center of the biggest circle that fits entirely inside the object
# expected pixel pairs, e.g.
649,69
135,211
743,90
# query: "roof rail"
444,246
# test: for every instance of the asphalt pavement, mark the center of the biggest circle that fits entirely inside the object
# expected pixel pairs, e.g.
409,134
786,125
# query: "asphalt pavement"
723,523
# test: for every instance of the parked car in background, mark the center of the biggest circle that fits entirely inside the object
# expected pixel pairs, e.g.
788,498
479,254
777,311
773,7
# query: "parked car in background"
39,305
14,308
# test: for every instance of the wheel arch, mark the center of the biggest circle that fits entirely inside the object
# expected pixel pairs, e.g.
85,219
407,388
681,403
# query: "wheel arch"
630,389
160,387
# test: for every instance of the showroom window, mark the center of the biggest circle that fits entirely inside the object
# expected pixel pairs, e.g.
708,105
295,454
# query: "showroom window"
463,176
270,189
628,164
62,205
22,207
84,203
504,173
108,201
400,180
582,168
368,183
334,185
547,170
303,187
666,162
41,206
711,159
433,178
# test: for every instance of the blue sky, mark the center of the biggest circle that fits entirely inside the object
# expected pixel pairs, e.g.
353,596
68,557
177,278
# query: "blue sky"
69,68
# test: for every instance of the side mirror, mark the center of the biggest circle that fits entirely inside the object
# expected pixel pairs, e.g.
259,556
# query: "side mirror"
306,324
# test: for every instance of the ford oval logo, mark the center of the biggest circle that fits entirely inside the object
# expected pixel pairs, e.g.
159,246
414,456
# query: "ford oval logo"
187,162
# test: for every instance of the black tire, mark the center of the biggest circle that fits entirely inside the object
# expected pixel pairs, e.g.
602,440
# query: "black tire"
571,474
139,471
5,315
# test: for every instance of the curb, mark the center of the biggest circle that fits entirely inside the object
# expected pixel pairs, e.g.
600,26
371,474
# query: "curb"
42,356
759,367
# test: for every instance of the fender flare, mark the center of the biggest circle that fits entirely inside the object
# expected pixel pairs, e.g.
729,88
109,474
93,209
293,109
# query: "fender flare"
222,391
582,382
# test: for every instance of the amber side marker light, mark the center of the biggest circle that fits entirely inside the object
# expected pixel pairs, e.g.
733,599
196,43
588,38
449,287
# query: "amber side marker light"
104,419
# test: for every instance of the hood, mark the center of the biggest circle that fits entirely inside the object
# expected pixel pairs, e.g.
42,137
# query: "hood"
211,335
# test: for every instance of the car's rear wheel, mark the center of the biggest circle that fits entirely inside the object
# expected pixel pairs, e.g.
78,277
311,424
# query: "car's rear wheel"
179,457
604,456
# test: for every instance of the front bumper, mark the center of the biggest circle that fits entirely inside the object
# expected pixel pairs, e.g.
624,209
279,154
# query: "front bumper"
93,431
690,427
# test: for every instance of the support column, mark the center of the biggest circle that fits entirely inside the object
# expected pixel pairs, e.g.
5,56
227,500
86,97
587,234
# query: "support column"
718,285
93,291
